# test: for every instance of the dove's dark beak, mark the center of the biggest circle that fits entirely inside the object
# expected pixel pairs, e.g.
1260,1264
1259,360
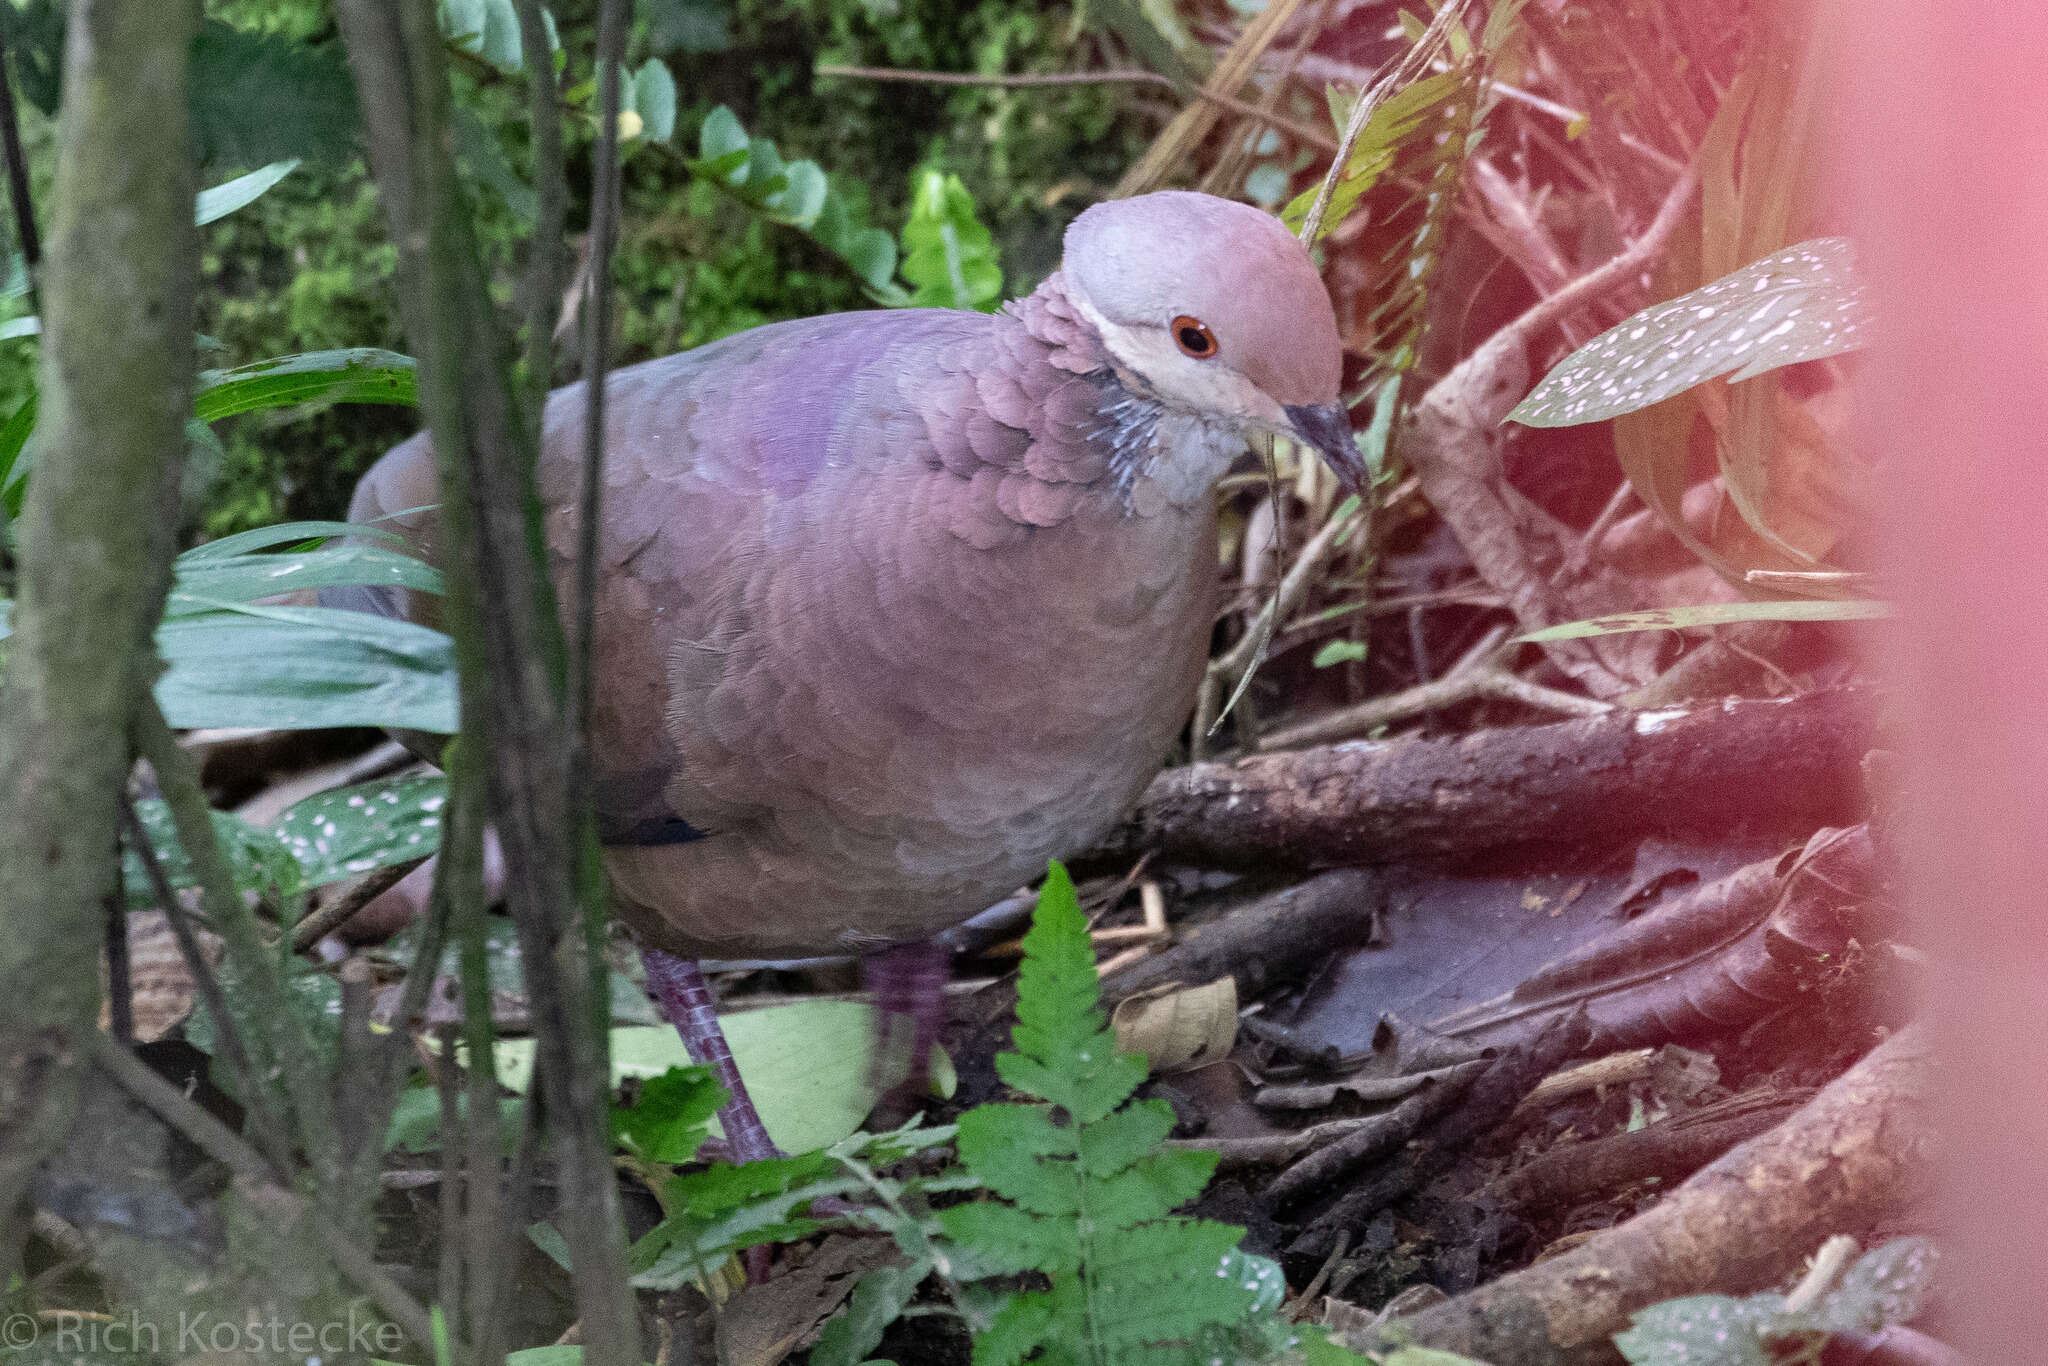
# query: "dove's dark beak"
1327,427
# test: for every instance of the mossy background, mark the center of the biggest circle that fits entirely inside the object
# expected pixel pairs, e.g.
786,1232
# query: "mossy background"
306,266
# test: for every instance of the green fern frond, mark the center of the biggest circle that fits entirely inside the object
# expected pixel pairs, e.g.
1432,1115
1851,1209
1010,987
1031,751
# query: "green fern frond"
1083,1187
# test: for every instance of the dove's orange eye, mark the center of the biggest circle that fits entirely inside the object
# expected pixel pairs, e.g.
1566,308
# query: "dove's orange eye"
1193,337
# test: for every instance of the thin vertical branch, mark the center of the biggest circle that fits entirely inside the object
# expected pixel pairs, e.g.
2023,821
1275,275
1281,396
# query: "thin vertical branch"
277,1035
547,253
96,544
120,981
509,641
17,181
256,1090
484,1235
604,205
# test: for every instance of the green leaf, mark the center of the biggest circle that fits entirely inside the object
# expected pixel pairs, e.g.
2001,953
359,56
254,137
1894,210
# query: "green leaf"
721,137
352,375
1799,304
1017,1329
1884,1286
281,533
13,467
199,583
256,860
798,195
671,1116
551,1355
222,200
1713,614
1083,1194
1008,1240
304,668
258,98
1405,117
1120,1140
654,99
483,28
1700,1330
689,25
949,256
877,1302
416,1120
807,1066
1340,652
347,831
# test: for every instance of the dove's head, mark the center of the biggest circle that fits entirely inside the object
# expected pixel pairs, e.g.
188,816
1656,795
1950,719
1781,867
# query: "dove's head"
1212,307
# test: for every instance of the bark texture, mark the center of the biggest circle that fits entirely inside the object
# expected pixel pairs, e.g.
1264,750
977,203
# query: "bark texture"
1767,765
96,541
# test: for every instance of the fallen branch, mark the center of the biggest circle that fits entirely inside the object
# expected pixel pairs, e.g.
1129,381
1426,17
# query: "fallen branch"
1787,764
1857,1154
1565,1176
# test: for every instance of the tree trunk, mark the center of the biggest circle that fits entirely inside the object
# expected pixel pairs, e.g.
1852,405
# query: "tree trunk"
96,541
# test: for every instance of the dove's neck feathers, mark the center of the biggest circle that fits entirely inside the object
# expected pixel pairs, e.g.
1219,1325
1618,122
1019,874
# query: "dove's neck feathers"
1159,451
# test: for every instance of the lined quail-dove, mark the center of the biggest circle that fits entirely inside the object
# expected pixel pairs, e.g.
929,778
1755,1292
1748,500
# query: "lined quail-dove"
895,606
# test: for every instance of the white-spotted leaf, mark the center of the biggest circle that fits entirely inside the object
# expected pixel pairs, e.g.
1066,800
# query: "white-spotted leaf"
347,831
1799,304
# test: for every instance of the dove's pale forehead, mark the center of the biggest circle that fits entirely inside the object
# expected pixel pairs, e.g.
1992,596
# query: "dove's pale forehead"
1148,260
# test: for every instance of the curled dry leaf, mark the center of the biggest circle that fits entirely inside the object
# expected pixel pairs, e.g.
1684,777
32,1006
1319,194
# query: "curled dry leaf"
1178,1028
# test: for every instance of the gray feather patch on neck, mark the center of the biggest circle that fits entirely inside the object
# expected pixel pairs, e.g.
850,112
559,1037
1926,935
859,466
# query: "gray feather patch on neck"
1130,423
1178,454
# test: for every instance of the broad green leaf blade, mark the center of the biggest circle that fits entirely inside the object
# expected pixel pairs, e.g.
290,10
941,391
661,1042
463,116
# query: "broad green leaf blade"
305,668
258,98
347,831
807,1066
1707,1330
283,533
1712,614
222,200
353,375
1799,304
201,583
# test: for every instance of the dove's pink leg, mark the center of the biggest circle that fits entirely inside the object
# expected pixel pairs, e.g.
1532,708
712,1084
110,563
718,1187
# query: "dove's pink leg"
686,1000
909,980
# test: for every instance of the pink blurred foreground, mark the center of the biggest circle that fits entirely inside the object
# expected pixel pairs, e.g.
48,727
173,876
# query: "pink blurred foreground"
1940,157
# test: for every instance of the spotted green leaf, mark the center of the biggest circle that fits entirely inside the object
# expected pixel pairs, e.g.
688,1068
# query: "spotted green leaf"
1802,303
347,831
